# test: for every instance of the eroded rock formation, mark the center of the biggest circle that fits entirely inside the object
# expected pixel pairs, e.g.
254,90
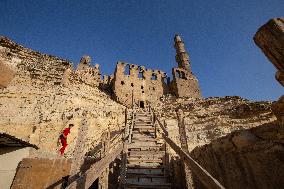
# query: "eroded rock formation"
211,118
270,38
36,106
251,158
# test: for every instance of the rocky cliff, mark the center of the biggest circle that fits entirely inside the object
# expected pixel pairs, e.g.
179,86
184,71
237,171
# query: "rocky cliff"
211,118
36,106
250,158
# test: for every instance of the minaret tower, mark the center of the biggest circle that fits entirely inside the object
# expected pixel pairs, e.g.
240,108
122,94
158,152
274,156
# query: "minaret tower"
184,83
182,57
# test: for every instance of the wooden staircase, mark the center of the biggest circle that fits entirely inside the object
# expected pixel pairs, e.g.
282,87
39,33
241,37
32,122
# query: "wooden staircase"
146,162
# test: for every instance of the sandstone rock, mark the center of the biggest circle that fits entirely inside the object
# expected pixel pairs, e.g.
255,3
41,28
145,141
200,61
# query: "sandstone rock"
278,109
245,159
211,118
270,38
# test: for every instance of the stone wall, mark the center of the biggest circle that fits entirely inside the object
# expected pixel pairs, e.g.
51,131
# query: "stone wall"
251,158
85,73
140,84
41,173
184,84
41,68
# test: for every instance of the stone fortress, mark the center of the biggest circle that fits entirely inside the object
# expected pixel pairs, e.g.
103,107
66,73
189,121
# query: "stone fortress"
132,84
138,85
135,128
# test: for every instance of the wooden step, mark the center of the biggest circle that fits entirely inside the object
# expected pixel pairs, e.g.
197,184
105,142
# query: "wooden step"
132,160
143,143
141,170
132,147
145,166
139,138
144,129
148,185
143,123
133,175
146,153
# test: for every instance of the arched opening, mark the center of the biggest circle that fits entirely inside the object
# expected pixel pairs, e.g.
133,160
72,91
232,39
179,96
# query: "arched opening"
154,77
141,75
127,70
182,75
177,74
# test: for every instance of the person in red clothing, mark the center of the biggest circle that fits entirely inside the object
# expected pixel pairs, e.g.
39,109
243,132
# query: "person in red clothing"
63,138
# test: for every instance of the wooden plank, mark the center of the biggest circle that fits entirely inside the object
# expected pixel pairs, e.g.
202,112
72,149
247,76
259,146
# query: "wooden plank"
205,177
87,178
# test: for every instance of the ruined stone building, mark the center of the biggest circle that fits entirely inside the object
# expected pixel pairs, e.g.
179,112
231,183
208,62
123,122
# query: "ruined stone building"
133,84
135,128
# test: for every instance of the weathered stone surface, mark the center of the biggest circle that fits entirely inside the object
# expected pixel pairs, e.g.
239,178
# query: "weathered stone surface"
41,94
7,74
41,173
211,118
41,68
135,85
278,109
184,83
37,110
270,38
128,87
251,158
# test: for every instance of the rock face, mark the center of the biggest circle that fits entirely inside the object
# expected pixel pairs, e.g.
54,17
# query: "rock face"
278,109
36,106
40,95
251,158
42,69
211,118
270,38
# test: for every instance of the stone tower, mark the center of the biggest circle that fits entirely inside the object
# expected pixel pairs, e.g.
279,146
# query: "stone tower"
184,83
182,57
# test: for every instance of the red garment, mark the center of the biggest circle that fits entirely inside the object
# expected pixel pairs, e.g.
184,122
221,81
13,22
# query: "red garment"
63,140
66,132
64,145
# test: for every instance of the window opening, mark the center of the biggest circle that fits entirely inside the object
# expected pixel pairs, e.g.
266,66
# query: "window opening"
141,75
154,77
177,74
141,104
182,74
127,70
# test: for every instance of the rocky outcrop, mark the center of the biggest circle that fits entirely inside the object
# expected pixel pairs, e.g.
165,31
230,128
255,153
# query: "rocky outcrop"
211,118
43,69
37,102
251,158
270,38
278,109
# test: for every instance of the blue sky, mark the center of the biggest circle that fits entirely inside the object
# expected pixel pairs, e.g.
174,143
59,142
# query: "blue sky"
217,34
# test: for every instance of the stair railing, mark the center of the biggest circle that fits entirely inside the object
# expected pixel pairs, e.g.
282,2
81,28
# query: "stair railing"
204,176
84,180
